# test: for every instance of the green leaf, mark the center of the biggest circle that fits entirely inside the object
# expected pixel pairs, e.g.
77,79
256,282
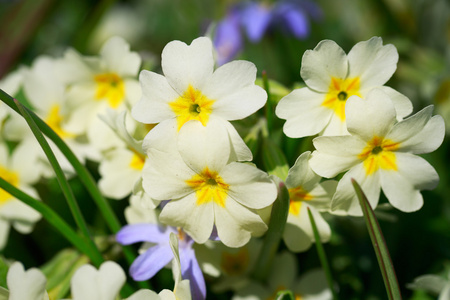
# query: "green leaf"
322,256
3,272
63,183
274,160
379,245
274,234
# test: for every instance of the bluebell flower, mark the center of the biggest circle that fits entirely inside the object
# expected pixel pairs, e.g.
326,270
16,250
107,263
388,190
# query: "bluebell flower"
256,18
160,254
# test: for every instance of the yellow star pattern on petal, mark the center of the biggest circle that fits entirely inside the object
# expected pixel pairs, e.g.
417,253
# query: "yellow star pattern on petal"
209,186
379,153
192,105
110,86
296,196
338,92
10,177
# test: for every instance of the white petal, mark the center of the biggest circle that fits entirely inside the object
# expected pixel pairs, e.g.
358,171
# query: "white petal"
335,154
233,88
419,133
118,57
4,232
165,175
402,187
345,199
371,117
303,111
241,103
239,149
23,284
89,284
204,146
162,137
156,94
327,60
313,286
144,295
402,104
235,223
196,220
298,234
301,174
372,62
431,283
335,127
185,65
248,185
322,195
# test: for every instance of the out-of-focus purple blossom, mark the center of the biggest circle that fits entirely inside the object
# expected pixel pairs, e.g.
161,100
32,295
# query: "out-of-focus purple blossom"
227,38
160,254
256,18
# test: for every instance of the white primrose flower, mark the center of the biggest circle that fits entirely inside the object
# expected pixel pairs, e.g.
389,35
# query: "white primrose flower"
11,84
45,92
332,77
311,285
29,285
306,191
192,90
95,84
208,187
18,170
380,153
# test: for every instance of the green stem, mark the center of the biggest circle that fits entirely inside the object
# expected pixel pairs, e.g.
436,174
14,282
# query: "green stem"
65,187
53,219
322,255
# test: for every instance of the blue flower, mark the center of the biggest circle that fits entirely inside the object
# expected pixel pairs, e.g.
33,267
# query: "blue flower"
160,254
256,18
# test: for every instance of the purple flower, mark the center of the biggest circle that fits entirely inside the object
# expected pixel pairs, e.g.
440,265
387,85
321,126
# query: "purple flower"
156,257
256,18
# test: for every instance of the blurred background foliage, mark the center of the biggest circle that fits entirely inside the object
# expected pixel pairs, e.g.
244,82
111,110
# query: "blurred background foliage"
419,242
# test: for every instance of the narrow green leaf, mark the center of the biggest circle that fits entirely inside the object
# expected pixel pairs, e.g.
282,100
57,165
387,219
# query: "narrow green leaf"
274,159
322,255
285,295
52,218
379,245
65,187
274,234
86,178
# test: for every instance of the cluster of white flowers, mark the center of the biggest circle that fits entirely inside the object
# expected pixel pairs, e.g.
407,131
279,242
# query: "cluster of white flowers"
170,146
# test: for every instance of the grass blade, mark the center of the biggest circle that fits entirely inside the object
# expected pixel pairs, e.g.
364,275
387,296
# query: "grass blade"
379,245
63,183
322,255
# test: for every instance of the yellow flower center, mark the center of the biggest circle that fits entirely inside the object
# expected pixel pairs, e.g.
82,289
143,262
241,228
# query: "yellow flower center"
338,92
296,196
10,177
209,186
54,120
378,153
234,264
192,105
110,87
137,161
